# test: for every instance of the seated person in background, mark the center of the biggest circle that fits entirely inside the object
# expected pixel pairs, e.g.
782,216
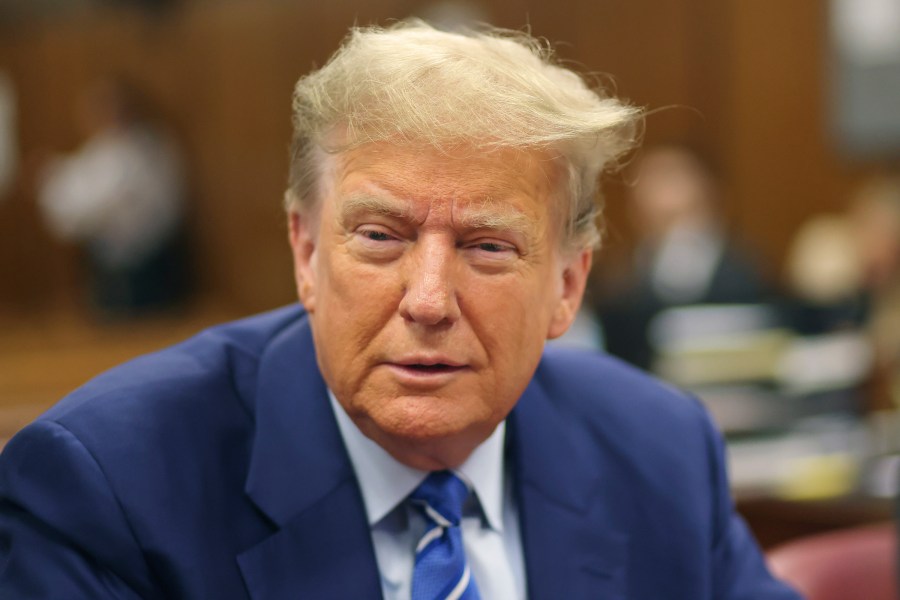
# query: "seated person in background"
683,257
875,216
825,277
122,195
844,275
404,435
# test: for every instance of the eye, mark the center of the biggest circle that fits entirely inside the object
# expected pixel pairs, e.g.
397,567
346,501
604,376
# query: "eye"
376,236
376,242
493,247
491,251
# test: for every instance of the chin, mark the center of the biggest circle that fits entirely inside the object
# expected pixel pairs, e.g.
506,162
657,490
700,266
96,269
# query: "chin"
417,423
428,421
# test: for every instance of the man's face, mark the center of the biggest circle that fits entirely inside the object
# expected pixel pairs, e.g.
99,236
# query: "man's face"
671,189
432,280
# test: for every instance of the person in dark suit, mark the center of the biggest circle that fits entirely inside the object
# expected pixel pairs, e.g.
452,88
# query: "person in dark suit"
684,256
404,434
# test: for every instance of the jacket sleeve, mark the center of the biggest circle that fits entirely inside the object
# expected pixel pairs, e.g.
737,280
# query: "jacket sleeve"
739,570
63,533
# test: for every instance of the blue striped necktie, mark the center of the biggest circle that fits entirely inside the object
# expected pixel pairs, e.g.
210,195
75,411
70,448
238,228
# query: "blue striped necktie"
441,571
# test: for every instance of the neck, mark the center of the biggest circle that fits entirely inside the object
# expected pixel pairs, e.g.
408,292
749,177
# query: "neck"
430,455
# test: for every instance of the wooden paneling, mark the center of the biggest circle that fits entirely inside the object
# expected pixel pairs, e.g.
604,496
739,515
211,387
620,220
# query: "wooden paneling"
744,79
783,165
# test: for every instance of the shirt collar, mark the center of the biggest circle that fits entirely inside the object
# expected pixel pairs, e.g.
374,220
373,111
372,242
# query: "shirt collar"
386,482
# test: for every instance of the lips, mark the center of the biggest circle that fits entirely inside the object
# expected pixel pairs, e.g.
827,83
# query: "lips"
434,368
426,370
425,362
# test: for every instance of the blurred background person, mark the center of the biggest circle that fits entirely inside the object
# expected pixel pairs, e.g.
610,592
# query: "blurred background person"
875,216
684,254
844,275
824,277
121,194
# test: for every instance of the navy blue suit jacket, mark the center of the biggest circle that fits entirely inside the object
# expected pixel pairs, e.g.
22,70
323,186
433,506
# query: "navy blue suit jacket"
215,470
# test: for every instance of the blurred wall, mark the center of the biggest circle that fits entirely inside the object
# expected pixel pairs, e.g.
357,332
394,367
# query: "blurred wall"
743,79
781,161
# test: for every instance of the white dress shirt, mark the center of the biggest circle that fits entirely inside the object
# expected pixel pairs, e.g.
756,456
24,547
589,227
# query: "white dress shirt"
490,526
123,191
685,262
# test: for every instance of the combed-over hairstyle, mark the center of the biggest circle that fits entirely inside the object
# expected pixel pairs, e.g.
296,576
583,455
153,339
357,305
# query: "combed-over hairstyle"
413,84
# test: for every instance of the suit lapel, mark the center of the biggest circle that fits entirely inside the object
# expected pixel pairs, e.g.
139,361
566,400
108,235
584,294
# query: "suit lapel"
302,480
572,549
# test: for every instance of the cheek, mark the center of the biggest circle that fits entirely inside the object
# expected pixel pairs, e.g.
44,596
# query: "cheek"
354,302
355,291
511,320
523,302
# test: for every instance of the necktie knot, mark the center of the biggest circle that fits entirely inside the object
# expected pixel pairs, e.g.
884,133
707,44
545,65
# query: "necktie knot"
444,494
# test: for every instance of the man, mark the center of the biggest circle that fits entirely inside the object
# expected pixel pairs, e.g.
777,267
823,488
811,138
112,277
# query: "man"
404,436
684,255
122,195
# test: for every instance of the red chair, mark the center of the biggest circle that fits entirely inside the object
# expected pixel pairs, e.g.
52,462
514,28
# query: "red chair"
850,564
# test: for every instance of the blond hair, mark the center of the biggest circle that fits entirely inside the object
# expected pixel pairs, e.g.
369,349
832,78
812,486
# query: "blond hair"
411,83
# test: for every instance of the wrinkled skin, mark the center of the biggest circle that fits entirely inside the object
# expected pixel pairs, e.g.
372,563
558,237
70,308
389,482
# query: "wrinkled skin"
432,280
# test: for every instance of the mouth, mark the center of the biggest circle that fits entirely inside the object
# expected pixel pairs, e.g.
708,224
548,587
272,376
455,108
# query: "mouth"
421,371
434,368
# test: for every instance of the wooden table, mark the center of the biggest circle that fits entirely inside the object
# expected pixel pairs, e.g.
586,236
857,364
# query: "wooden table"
775,521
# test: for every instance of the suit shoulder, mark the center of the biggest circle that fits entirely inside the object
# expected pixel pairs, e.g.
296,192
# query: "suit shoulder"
218,365
598,387
566,369
639,431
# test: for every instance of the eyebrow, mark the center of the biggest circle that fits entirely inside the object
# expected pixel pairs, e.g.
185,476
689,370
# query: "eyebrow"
487,214
494,215
362,202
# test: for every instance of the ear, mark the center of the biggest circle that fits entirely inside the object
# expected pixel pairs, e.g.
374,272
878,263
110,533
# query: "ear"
303,248
574,275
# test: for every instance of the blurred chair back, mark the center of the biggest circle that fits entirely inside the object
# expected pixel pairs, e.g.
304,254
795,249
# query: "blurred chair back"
851,564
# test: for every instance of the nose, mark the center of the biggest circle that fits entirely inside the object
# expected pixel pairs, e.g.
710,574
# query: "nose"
430,297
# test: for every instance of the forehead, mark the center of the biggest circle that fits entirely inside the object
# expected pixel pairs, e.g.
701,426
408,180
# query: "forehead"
464,176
